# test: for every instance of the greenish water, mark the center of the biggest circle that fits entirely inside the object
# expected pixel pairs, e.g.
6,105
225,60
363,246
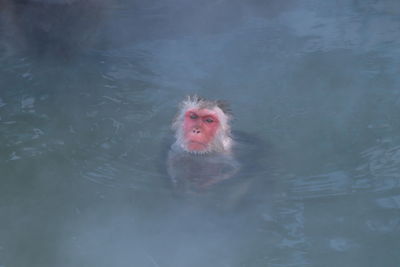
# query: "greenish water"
87,94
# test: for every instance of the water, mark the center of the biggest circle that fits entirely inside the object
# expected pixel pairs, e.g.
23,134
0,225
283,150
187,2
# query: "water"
88,91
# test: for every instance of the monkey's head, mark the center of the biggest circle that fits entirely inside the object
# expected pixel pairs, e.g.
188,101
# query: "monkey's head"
202,126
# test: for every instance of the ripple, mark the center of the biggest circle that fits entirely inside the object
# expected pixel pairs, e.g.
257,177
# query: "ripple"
328,184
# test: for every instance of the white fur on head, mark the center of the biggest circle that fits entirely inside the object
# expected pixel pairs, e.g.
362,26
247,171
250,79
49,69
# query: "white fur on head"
222,141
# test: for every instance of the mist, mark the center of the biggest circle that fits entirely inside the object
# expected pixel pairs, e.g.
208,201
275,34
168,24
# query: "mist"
88,90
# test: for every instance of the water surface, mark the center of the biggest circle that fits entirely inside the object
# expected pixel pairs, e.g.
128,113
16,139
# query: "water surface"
87,94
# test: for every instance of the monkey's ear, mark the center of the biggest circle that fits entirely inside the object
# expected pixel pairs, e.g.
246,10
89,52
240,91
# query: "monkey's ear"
175,123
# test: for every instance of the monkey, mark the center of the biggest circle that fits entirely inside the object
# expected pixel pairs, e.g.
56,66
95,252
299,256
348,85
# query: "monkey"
202,126
201,155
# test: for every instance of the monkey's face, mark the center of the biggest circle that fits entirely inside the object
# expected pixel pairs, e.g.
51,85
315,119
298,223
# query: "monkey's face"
200,127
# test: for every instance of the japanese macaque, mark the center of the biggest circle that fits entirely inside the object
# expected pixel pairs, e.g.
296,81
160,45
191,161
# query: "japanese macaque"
202,126
202,153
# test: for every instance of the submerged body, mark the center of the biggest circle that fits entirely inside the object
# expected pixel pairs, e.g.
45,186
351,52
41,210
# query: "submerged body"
202,153
193,172
207,158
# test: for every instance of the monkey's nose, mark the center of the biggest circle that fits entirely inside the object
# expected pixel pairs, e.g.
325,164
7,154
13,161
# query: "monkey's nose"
196,130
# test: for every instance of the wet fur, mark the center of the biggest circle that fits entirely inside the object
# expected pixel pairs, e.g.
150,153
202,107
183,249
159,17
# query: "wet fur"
222,142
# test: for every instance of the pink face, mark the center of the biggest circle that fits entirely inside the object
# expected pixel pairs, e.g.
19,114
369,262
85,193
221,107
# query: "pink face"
199,127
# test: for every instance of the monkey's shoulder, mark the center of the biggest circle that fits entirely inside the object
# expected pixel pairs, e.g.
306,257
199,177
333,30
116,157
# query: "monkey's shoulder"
178,155
200,170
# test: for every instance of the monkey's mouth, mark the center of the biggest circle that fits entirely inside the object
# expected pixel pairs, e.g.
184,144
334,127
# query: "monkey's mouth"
196,146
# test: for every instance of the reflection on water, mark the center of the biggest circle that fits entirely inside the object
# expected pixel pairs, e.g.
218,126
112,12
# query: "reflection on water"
87,93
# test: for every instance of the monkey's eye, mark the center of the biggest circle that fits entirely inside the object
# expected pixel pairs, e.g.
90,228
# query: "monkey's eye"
193,116
209,120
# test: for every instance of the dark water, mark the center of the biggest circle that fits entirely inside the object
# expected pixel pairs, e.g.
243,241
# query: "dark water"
88,90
